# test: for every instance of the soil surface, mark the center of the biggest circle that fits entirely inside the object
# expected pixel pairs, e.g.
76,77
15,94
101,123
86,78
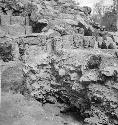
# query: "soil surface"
19,110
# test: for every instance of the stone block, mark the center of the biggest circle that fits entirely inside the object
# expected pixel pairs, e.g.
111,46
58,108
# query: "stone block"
31,41
89,41
27,21
32,52
16,53
3,40
12,78
16,30
92,42
2,33
78,40
49,46
68,42
59,43
28,30
17,20
100,41
42,39
5,20
4,29
66,16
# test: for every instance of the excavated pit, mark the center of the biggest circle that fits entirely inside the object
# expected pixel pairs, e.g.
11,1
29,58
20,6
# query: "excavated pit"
69,65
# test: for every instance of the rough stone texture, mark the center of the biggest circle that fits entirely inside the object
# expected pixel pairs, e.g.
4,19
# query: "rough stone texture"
78,39
89,41
17,20
16,53
59,43
32,41
50,45
12,77
2,33
62,56
100,40
32,51
28,30
4,29
16,30
68,42
5,20
110,43
27,21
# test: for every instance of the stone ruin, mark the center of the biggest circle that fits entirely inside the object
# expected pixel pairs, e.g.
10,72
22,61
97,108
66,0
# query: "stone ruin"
63,50
61,22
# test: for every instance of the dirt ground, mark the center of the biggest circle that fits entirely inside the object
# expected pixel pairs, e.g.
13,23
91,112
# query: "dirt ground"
18,110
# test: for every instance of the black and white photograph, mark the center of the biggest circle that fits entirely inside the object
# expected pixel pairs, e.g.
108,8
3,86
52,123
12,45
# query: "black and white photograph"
58,62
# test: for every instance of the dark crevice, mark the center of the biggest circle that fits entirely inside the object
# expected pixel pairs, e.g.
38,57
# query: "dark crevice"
37,27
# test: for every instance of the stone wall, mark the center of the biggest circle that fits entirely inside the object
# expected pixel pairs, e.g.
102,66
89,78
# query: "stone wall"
15,25
17,20
16,30
5,20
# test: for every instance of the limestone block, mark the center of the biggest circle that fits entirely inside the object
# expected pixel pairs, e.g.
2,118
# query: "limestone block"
27,21
33,50
110,44
17,20
12,78
42,39
16,53
16,30
5,20
4,29
2,33
28,30
66,16
49,46
89,41
59,43
78,40
100,40
68,42
31,40
92,42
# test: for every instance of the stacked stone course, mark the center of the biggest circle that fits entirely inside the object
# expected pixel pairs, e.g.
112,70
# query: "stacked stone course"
15,25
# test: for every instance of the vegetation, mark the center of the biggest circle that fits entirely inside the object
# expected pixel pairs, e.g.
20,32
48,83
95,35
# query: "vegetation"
78,80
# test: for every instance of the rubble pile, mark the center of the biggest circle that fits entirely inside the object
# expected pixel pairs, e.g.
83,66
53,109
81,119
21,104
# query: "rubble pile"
91,86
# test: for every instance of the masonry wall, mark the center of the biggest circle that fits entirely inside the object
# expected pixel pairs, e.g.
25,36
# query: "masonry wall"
15,25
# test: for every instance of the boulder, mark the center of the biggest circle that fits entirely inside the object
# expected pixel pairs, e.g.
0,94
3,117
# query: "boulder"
109,70
74,76
89,76
103,92
12,78
62,72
